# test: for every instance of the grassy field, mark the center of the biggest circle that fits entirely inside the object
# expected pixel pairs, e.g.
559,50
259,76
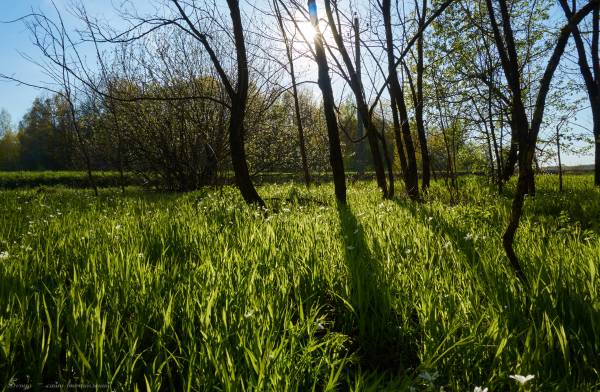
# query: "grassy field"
196,291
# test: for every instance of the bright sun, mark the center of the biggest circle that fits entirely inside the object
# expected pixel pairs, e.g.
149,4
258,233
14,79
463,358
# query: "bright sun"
307,30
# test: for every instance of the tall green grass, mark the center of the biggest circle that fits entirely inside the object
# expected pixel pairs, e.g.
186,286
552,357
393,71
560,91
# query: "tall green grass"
197,291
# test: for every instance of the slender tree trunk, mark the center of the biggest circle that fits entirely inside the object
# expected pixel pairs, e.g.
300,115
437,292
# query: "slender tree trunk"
398,139
425,162
531,184
121,171
238,155
301,138
238,112
389,163
560,171
335,150
511,159
361,104
596,104
597,160
488,143
590,74
376,154
298,115
498,156
515,217
360,127
397,98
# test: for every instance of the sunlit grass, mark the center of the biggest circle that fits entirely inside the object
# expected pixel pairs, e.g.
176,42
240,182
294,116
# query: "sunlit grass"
198,291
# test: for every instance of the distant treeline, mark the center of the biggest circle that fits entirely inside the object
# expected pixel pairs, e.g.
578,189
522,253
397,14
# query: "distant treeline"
70,179
182,145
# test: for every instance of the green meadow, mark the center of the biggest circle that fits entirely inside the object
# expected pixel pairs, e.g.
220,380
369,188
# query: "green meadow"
198,291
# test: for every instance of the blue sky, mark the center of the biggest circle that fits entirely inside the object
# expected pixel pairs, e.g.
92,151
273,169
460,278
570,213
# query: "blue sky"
15,38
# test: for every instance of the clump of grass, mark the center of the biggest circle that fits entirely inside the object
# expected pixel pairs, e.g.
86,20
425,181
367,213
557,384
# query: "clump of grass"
198,291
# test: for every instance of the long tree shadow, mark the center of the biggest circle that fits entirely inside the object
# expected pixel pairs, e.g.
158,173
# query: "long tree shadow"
467,244
382,343
561,298
460,238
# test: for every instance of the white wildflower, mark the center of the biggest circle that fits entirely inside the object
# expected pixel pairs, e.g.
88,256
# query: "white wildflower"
468,237
522,379
4,255
480,389
285,210
429,377
249,314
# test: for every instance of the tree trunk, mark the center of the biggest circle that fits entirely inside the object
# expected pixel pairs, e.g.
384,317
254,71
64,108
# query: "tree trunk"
376,153
335,150
238,156
298,116
397,95
360,126
398,139
361,104
425,163
511,159
596,104
560,171
389,163
305,168
597,160
513,223
590,74
239,101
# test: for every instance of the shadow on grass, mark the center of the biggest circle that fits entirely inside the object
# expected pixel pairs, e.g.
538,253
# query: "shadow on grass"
458,237
382,342
555,325
491,280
